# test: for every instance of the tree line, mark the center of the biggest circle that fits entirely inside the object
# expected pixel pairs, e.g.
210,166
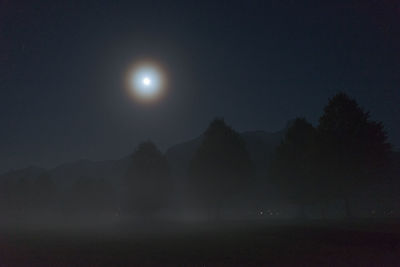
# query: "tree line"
344,152
312,164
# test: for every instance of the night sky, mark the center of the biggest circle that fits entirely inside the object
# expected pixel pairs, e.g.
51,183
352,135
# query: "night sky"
258,64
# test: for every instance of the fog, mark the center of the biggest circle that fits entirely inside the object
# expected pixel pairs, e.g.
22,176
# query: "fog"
225,191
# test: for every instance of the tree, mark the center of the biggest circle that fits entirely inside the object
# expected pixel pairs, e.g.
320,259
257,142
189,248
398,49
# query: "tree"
220,167
293,167
148,180
43,193
354,149
92,196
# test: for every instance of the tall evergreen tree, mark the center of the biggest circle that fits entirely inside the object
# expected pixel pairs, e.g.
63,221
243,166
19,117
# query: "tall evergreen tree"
293,168
354,148
148,180
221,166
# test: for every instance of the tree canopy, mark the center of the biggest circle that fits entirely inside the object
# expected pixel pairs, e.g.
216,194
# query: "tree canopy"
148,179
346,151
221,165
293,167
354,148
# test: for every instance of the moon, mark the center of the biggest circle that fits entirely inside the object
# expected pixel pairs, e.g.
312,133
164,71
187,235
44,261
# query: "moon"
146,82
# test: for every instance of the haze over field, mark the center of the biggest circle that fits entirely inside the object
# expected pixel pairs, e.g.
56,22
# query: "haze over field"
199,133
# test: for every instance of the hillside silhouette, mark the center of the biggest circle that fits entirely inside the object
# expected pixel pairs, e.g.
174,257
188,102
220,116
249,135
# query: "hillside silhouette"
343,167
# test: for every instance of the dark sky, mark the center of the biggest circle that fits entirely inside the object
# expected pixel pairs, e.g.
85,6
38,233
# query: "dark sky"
256,63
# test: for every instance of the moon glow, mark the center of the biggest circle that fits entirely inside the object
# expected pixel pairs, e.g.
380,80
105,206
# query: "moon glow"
146,82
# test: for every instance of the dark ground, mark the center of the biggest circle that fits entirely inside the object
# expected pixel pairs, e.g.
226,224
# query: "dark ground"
238,244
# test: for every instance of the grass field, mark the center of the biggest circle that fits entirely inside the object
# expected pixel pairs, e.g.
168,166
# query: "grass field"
233,244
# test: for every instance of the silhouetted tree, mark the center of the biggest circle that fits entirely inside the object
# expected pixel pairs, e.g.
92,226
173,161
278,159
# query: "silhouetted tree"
15,196
221,166
293,168
354,149
43,193
91,196
148,180
23,196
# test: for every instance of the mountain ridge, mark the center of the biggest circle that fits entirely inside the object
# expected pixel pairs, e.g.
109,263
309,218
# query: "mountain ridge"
260,145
